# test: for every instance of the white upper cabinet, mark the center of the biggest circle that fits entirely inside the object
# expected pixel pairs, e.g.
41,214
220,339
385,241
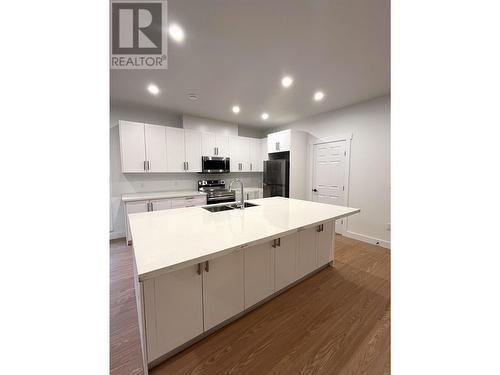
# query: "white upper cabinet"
175,150
132,147
156,148
223,288
259,273
215,145
263,148
149,148
222,144
239,152
256,155
208,146
279,141
142,141
192,141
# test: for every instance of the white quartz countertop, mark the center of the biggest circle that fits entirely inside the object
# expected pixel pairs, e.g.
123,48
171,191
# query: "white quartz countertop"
168,240
160,195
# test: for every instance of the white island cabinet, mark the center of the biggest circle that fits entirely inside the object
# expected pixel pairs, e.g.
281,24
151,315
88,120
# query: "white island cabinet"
222,288
190,283
259,273
173,310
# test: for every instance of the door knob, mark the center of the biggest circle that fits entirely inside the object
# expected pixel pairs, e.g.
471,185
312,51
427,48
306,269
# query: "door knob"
315,190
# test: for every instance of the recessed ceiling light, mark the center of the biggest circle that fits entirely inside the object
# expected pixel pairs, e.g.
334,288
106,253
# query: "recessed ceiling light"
193,96
264,116
319,96
176,33
236,109
153,89
287,81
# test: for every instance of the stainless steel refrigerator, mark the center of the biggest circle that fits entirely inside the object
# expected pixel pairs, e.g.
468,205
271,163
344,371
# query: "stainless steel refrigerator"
276,178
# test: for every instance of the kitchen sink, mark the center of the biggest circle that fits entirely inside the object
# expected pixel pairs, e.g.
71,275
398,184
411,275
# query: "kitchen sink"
236,205
218,208
228,207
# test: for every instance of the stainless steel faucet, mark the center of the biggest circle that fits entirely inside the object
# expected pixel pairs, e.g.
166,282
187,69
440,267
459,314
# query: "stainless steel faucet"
242,204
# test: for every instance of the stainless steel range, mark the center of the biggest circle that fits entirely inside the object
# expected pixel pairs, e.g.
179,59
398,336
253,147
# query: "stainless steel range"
216,191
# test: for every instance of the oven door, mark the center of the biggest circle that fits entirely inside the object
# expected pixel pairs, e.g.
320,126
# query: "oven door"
214,164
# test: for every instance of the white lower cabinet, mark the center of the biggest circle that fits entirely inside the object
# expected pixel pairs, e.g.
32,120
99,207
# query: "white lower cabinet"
181,305
160,204
223,288
173,305
307,252
325,243
133,208
286,261
259,273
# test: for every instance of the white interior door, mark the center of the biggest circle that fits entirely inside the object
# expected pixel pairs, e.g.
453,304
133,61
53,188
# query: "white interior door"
328,175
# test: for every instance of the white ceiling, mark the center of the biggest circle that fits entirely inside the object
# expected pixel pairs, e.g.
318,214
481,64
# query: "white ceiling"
236,52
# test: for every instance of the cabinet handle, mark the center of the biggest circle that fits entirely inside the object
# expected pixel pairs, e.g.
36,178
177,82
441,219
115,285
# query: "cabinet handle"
279,242
206,266
152,209
147,206
144,166
276,146
251,166
198,271
149,165
215,150
322,228
318,229
187,166
274,243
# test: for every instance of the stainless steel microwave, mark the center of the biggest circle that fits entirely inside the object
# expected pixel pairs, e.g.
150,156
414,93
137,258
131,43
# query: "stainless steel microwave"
214,164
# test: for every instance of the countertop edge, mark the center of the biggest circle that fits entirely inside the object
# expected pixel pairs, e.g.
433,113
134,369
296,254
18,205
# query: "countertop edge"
216,254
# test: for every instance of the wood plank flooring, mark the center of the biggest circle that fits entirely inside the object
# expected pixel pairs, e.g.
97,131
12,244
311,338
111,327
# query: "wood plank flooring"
336,322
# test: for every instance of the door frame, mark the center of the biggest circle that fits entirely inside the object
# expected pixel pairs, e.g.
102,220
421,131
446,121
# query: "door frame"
340,138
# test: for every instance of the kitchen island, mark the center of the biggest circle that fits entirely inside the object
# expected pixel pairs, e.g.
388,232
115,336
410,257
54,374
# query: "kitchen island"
198,270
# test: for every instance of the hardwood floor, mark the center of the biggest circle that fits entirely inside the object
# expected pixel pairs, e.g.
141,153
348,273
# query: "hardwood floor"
335,322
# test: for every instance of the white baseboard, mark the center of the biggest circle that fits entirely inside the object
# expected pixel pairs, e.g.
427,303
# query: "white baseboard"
115,235
365,238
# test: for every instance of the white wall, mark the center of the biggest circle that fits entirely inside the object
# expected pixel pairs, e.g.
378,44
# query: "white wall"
369,187
132,183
